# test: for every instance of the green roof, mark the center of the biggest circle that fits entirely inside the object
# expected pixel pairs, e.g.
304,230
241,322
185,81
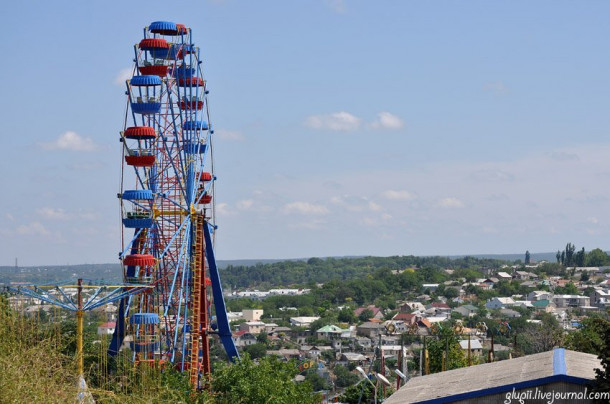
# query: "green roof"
541,303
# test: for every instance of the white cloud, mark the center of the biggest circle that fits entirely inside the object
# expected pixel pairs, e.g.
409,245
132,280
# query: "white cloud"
450,203
231,135
223,209
564,156
316,224
123,76
246,204
337,6
398,195
52,213
71,141
386,120
496,87
337,121
374,207
305,208
33,229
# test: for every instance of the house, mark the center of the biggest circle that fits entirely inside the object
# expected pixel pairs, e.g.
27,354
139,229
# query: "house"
499,302
353,357
370,329
544,305
509,313
252,314
466,310
377,313
430,287
539,295
302,321
364,342
243,338
440,307
330,331
409,307
475,346
314,351
286,353
600,298
406,318
503,276
253,327
106,328
564,301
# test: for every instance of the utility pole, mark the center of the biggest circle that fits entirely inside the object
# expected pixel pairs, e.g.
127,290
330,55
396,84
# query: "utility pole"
79,329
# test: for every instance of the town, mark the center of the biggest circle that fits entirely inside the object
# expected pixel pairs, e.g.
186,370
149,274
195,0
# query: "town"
400,315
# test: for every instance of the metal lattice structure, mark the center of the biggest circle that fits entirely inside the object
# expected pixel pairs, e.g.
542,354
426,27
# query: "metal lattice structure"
167,207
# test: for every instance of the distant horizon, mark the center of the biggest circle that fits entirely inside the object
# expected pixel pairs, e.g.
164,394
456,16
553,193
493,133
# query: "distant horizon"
222,260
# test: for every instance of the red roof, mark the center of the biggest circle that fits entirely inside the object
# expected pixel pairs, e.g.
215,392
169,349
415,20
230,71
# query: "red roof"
406,317
239,333
425,322
110,324
439,305
372,308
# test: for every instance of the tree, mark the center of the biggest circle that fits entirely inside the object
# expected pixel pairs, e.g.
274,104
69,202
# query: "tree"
346,315
256,351
437,347
318,382
344,376
602,376
570,248
268,381
365,315
558,256
590,337
597,258
579,258
527,257
568,289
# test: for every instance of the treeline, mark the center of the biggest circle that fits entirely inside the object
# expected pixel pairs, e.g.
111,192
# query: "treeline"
318,270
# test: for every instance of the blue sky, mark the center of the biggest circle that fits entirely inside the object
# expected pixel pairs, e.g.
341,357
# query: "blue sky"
342,127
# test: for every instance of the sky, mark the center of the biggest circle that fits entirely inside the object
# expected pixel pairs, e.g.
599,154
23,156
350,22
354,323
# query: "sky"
342,127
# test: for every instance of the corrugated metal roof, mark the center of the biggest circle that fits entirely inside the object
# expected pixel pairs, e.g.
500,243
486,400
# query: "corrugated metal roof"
491,378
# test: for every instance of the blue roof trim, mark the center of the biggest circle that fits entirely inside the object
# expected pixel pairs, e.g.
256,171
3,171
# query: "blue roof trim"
146,80
559,362
507,388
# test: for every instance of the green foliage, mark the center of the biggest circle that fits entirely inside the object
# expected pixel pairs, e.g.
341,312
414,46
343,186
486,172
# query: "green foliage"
568,289
590,337
268,381
344,376
317,382
437,347
362,392
346,315
365,315
602,376
256,351
597,258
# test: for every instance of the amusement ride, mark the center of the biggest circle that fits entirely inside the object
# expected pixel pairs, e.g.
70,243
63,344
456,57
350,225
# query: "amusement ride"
170,302
167,209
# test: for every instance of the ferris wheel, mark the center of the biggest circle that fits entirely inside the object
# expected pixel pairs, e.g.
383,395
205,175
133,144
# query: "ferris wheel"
167,208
